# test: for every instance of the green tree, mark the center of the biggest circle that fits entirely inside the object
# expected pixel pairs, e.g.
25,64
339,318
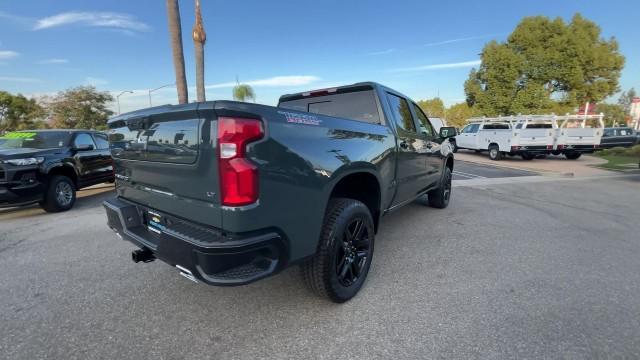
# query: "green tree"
432,107
242,92
543,63
81,107
626,98
458,114
19,113
614,114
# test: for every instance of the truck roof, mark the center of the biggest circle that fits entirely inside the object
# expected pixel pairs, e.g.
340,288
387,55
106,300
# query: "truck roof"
365,85
58,130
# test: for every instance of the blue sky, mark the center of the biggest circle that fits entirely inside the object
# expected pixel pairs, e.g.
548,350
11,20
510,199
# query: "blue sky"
421,48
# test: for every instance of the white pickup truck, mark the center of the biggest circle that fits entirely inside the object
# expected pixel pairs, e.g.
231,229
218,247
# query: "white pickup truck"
531,135
579,134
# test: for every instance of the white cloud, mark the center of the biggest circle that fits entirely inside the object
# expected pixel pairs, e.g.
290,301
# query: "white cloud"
450,41
19,79
464,64
94,81
382,52
93,19
276,81
8,54
54,61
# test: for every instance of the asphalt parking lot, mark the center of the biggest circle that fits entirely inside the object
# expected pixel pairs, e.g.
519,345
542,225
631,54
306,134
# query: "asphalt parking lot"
465,170
535,270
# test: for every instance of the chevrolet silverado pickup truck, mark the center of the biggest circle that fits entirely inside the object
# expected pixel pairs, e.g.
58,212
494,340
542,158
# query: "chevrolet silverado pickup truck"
48,166
231,192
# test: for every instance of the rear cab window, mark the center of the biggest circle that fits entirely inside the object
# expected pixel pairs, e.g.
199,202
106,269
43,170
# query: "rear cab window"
498,126
83,139
101,141
167,141
358,105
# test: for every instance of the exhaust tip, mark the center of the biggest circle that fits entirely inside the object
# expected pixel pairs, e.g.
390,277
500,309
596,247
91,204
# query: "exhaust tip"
144,255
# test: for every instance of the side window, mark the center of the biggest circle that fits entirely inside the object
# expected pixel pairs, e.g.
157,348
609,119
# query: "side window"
472,128
401,113
466,129
425,124
608,132
83,139
624,132
101,141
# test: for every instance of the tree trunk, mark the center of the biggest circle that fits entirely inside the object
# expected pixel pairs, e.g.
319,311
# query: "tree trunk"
199,38
199,48
175,31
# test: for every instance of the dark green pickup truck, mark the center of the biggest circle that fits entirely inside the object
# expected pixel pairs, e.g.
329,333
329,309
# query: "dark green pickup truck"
231,192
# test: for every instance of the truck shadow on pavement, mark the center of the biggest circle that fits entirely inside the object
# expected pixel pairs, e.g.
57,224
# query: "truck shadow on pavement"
395,244
85,199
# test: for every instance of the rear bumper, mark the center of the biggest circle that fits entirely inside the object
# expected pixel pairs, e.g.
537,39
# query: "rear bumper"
531,149
211,255
584,149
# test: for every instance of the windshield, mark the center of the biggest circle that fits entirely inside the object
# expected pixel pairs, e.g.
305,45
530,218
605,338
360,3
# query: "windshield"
34,140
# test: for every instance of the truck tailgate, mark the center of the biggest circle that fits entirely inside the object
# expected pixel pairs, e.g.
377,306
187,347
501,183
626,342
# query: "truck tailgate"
162,161
535,137
580,136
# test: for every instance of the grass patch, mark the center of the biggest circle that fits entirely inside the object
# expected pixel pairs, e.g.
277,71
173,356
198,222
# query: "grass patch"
619,162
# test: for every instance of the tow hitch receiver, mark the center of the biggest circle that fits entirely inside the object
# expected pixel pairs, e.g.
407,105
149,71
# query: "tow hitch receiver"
144,255
187,274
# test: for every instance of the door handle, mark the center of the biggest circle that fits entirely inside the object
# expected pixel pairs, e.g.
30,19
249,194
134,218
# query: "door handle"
404,145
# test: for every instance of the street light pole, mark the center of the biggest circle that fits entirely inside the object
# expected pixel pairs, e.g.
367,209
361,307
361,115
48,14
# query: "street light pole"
118,98
158,88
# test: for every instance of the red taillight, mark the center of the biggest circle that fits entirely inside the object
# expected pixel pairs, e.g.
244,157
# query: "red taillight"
560,147
238,175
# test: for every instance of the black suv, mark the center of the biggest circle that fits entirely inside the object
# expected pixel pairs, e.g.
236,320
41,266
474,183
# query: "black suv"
48,166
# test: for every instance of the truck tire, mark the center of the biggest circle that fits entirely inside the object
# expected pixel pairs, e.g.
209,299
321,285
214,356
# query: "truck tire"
572,155
494,153
343,258
439,198
60,194
527,156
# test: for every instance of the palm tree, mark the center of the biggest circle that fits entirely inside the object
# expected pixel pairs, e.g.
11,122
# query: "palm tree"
175,31
199,38
242,92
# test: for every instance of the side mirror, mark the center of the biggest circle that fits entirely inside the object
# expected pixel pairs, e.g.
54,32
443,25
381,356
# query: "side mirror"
83,147
447,132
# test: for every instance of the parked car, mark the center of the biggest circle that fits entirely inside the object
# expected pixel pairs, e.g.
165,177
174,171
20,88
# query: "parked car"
619,136
263,188
48,166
